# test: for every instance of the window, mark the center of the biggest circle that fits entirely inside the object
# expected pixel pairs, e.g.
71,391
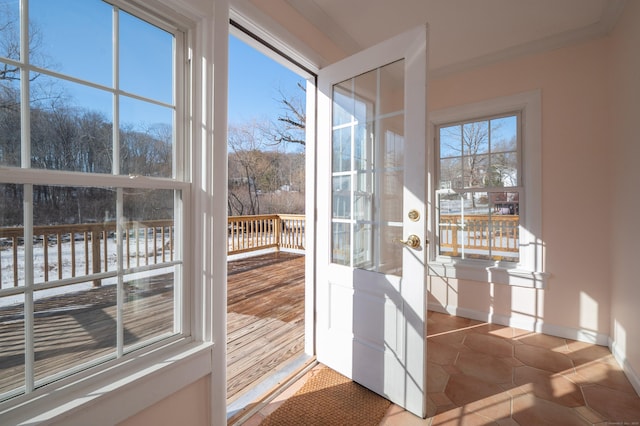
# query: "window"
478,203
486,198
92,158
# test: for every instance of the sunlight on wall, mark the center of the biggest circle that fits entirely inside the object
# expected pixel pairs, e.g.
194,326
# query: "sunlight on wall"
620,340
588,312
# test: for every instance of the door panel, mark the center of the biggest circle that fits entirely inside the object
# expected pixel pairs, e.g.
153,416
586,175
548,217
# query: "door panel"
371,157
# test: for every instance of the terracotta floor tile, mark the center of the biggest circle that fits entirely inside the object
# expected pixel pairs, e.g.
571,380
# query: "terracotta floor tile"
583,353
441,353
549,386
437,378
489,344
485,367
530,410
507,422
542,358
483,374
450,337
397,416
497,330
463,389
589,414
459,417
613,405
545,341
604,374
494,407
440,399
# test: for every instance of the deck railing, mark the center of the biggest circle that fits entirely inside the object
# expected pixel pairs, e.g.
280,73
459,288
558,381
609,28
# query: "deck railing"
73,251
480,233
70,251
279,231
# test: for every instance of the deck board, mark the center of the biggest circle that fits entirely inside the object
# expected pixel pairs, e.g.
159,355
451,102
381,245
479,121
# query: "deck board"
264,327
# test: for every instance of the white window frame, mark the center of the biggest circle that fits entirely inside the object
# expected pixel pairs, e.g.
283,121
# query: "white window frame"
120,388
529,271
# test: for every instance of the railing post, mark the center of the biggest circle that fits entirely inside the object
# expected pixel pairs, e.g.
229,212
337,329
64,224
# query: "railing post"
278,223
95,250
454,238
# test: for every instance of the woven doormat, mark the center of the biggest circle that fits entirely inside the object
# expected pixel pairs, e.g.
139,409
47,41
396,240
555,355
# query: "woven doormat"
327,399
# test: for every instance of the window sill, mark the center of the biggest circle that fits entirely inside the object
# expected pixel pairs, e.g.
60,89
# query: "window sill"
487,272
114,393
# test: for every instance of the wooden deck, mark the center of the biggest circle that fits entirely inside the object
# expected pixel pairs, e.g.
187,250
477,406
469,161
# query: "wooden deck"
265,323
265,317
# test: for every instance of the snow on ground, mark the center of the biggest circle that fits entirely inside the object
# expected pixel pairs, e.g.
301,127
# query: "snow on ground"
66,266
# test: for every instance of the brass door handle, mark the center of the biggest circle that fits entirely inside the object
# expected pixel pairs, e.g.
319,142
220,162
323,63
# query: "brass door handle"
412,241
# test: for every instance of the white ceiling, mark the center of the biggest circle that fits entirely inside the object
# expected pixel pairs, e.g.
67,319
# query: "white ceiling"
463,33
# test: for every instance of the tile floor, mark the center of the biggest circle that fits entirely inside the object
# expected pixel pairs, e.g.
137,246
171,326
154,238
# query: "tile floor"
481,374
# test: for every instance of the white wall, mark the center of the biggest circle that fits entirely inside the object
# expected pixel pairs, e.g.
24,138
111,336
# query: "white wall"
624,141
576,205
188,406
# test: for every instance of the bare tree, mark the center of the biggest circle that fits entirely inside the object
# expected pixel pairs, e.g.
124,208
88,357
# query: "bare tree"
289,128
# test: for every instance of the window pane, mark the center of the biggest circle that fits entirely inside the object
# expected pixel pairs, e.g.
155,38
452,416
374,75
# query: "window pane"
11,236
149,241
146,59
392,134
63,31
504,134
449,225
363,246
12,348
451,174
391,196
343,103
504,167
341,150
146,138
70,127
451,141
479,225
10,150
363,197
391,88
9,36
73,325
74,232
148,306
340,243
475,170
390,250
363,155
505,222
342,197
475,138
365,96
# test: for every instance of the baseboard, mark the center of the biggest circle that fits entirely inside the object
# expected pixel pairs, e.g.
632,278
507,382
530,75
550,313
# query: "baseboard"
620,357
529,324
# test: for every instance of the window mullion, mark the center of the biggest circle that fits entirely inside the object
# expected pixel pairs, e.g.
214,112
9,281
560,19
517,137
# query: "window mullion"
116,93
120,268
29,332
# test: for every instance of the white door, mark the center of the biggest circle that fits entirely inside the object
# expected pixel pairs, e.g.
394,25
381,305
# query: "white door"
371,188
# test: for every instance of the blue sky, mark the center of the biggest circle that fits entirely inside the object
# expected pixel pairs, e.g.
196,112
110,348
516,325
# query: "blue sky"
254,82
80,45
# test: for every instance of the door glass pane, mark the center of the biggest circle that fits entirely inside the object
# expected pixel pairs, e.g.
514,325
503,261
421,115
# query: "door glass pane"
340,243
368,142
